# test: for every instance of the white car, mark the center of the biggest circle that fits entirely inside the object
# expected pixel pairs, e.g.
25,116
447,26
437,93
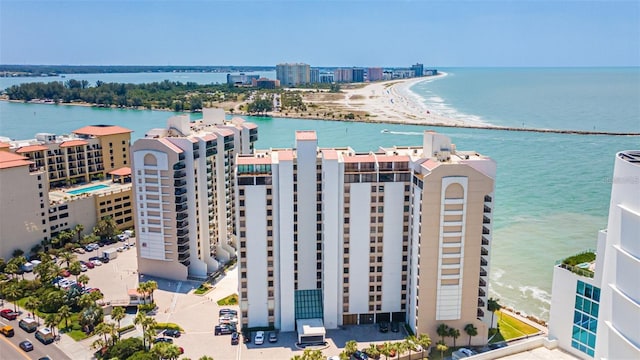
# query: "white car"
96,262
83,267
228,319
259,339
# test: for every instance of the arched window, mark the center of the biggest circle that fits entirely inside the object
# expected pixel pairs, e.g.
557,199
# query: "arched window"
150,160
454,191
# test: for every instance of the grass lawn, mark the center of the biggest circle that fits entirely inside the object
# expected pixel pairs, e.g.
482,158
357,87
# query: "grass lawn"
229,300
203,289
511,328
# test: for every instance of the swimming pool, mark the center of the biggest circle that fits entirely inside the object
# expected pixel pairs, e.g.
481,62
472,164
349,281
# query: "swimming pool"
87,189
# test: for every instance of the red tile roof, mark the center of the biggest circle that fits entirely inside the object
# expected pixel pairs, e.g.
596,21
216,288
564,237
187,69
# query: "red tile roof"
170,145
330,154
430,164
73,143
392,158
250,125
208,137
4,145
9,160
31,148
101,130
123,171
285,155
359,158
224,132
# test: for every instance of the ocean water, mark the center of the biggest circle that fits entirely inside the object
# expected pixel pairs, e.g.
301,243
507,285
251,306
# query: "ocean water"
604,99
552,190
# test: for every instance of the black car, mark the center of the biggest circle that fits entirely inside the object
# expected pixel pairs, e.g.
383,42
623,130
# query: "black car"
359,355
172,333
223,330
383,326
26,345
395,326
223,312
235,338
163,339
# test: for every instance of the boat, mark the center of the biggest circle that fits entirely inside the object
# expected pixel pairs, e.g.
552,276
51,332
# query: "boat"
385,131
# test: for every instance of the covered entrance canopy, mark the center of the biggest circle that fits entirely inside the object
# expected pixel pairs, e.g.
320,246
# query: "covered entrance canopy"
310,331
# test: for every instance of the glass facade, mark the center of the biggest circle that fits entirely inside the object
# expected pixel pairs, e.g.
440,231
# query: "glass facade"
309,304
585,318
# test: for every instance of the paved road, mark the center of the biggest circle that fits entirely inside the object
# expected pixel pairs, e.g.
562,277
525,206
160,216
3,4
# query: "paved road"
9,346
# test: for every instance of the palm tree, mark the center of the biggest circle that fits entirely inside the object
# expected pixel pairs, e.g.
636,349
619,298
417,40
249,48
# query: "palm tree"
147,324
32,304
13,292
65,313
85,301
83,279
151,287
142,290
78,229
102,329
205,357
471,330
443,331
411,341
98,344
350,347
118,314
401,347
387,349
11,269
372,351
67,256
454,333
75,269
493,305
442,347
51,321
424,340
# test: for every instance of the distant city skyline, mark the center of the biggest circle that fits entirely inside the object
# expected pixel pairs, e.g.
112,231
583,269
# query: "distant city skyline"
333,34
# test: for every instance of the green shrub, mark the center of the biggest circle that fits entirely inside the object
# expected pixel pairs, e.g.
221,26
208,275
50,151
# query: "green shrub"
126,328
146,307
229,300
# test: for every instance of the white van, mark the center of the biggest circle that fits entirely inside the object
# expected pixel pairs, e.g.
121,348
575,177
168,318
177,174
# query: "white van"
45,335
28,324
27,267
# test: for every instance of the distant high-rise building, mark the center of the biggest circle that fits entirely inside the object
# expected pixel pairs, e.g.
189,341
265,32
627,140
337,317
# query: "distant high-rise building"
334,237
314,76
326,78
241,79
595,300
374,74
343,75
358,75
184,194
293,74
418,70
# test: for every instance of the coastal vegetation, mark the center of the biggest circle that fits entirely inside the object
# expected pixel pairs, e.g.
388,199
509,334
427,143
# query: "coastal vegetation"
53,70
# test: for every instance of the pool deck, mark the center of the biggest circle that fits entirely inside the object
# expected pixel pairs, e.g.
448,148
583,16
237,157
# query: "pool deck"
62,194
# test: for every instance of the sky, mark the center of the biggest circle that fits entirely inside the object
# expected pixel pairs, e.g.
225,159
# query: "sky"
321,33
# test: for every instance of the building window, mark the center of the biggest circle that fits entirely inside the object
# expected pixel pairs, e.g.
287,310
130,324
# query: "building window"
585,318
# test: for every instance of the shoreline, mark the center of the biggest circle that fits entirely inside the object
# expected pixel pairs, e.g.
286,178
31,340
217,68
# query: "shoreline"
387,102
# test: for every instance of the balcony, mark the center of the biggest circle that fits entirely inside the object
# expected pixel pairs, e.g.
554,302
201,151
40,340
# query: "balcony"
181,199
482,283
183,249
480,303
180,191
181,216
485,241
182,240
484,252
481,293
486,220
179,174
483,272
487,209
179,166
186,262
181,208
179,182
183,257
182,224
480,313
485,231
483,262
181,233
487,198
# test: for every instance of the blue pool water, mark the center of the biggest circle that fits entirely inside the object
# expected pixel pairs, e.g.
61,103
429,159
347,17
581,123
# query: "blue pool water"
86,189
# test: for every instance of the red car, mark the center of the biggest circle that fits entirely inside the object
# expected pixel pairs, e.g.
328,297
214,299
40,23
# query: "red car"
65,273
88,264
8,314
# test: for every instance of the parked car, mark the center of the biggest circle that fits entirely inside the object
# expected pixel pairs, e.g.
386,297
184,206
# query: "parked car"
359,355
395,326
88,264
26,345
383,326
65,273
259,339
79,250
224,312
9,314
235,338
228,319
163,339
223,330
172,333
83,267
273,337
96,262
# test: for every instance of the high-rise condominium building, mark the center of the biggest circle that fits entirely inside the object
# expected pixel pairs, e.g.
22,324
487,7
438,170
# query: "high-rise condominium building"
357,75
374,74
293,74
595,304
334,237
343,75
314,76
418,70
183,183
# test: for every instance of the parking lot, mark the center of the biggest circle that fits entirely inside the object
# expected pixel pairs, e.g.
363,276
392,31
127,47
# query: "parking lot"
198,315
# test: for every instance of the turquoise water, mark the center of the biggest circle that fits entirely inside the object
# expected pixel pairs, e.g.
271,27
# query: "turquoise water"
552,190
86,189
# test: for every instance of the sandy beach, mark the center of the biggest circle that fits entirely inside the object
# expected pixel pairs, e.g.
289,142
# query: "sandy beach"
393,102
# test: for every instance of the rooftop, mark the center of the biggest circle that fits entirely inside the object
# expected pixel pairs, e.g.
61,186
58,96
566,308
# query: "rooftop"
9,160
632,156
583,264
62,195
101,130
